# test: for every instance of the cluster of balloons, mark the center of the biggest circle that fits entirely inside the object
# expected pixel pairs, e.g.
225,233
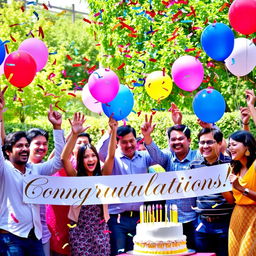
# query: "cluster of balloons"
20,67
104,93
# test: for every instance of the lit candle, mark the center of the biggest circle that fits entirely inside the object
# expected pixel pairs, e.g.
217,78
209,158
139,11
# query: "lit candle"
145,213
149,213
156,212
170,212
165,219
141,214
174,213
160,207
153,213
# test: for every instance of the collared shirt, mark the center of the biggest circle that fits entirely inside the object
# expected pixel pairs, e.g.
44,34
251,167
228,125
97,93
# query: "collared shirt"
124,165
15,216
213,205
169,161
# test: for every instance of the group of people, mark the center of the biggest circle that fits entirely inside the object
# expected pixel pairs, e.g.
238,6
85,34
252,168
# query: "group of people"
224,223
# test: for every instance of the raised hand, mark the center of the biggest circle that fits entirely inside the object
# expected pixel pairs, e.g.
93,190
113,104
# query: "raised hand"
176,114
2,101
245,115
55,118
147,128
77,123
250,97
113,124
204,124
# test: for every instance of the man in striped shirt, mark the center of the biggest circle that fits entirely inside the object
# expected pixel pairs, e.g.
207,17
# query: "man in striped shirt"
213,210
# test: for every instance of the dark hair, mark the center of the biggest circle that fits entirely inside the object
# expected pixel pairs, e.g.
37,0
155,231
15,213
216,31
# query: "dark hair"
85,134
216,133
34,132
124,130
81,170
248,141
179,127
11,139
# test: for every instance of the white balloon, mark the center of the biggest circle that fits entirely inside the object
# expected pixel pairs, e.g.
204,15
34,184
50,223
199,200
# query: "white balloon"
242,60
2,65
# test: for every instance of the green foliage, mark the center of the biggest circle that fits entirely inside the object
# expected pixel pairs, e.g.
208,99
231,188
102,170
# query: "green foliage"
51,85
143,34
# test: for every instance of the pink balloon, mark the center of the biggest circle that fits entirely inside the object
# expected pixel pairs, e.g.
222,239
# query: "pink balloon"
91,103
103,85
187,73
37,49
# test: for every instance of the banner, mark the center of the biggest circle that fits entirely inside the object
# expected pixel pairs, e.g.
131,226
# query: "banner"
125,188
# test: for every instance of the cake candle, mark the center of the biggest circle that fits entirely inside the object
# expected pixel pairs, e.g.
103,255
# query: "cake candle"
160,207
149,213
141,214
156,212
170,212
165,214
145,213
174,213
153,213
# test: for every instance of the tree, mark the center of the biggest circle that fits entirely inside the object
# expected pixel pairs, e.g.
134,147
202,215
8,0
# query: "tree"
139,37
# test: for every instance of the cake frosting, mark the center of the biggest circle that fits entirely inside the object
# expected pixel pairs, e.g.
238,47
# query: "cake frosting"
159,238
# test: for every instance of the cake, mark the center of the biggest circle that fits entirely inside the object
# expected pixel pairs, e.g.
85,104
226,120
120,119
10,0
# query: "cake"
154,236
159,238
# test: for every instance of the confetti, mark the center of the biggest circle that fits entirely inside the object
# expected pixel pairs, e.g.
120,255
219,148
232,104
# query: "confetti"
14,218
90,70
45,7
121,66
65,245
41,32
71,94
153,60
106,231
103,220
68,57
215,205
56,105
129,234
224,6
86,20
13,39
36,14
71,226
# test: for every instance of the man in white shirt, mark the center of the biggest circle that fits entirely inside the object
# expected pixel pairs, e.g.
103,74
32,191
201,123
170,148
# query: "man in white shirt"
20,226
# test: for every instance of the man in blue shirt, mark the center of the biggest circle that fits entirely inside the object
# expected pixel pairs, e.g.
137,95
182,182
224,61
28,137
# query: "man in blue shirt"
124,217
214,211
178,158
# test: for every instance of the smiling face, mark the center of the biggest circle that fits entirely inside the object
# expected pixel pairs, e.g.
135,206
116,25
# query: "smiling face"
20,152
209,148
127,144
90,161
38,149
179,144
237,150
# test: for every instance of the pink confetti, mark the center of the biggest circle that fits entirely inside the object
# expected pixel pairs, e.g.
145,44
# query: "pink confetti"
106,231
102,221
14,218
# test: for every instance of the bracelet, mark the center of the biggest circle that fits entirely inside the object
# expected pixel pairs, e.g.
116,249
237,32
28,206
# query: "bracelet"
245,124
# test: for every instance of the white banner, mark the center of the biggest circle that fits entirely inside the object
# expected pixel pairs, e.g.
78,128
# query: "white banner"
125,188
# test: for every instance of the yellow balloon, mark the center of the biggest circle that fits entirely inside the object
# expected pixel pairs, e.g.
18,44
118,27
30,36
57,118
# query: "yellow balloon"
158,85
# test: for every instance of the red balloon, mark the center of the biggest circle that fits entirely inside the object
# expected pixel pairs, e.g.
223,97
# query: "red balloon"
20,68
242,16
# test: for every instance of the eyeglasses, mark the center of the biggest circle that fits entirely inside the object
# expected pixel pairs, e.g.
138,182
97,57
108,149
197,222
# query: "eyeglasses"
207,142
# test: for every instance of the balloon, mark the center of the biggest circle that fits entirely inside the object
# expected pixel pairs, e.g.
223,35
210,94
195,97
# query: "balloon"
158,86
103,85
242,16
2,52
121,105
187,73
209,105
20,68
218,41
37,49
242,60
92,104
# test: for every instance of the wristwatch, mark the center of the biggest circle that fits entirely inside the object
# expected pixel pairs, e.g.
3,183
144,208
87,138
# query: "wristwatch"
246,192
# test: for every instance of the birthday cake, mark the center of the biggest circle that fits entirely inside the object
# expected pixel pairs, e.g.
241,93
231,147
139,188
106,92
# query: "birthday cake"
164,238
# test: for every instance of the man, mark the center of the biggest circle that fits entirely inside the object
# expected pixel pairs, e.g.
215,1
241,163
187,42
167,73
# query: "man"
214,212
124,217
20,226
178,158
38,149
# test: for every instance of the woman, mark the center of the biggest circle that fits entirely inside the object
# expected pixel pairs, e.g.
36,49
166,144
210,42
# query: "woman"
242,229
89,234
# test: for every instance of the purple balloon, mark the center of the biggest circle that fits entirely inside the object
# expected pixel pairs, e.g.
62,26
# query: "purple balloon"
91,103
103,85
37,49
187,73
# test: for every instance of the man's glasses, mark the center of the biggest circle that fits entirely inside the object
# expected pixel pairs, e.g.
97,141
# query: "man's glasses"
207,142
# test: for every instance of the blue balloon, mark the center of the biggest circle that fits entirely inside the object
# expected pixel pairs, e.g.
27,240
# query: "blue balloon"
218,41
2,52
121,105
209,105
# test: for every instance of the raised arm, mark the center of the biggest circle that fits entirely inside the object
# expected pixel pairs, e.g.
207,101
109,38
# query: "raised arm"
176,114
245,117
2,104
109,162
77,128
251,99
